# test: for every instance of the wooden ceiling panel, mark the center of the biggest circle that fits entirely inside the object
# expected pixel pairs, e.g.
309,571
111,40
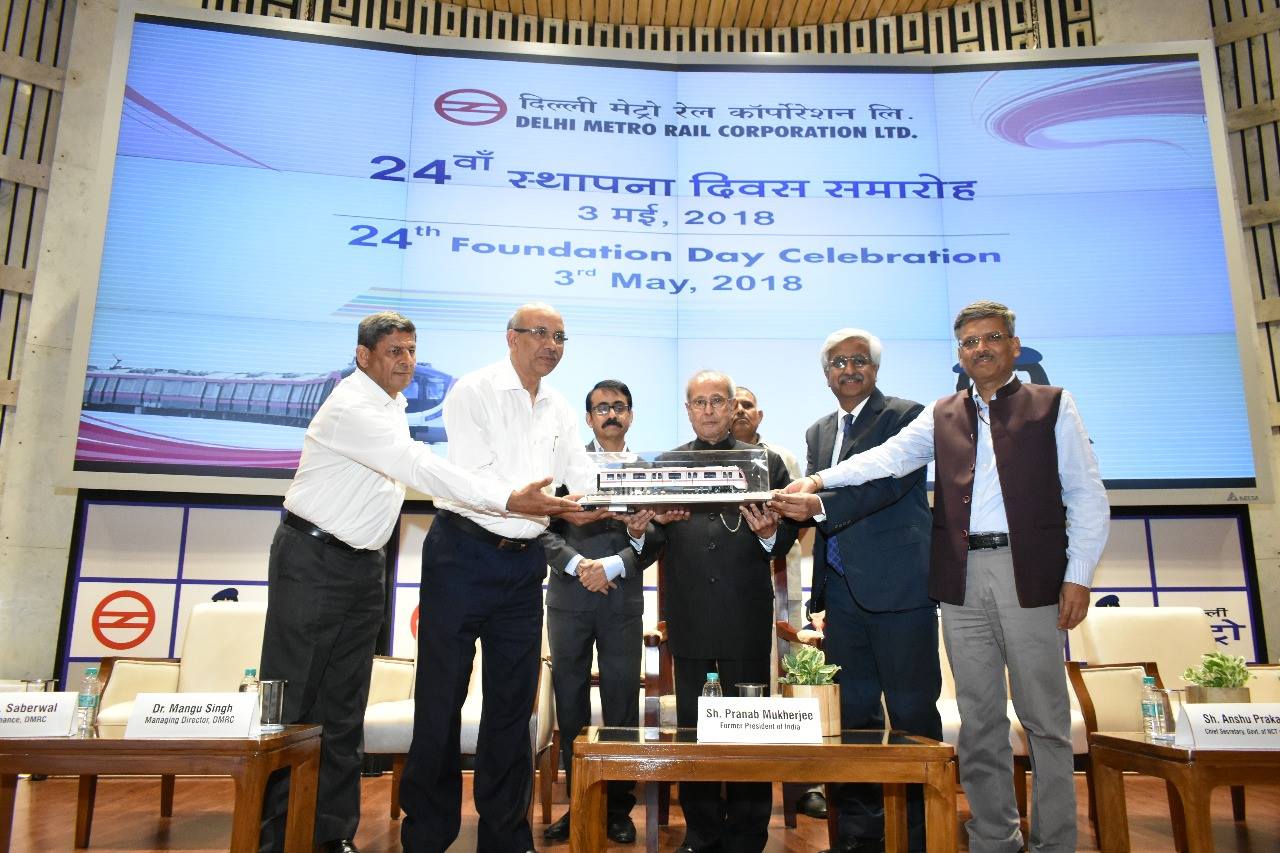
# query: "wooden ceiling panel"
710,13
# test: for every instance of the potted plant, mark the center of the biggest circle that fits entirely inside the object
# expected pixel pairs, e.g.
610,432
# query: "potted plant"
1219,678
810,676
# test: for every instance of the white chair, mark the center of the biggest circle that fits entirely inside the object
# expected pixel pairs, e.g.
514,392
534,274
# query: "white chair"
222,640
1265,685
1173,638
1111,701
388,723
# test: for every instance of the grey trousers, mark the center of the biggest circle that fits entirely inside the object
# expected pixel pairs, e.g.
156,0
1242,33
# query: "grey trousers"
984,636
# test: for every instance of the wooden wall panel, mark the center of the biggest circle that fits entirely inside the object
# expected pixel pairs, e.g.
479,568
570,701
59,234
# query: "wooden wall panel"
33,43
1247,35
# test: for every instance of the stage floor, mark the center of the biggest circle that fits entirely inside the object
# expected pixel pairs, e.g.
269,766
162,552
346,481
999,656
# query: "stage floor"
127,818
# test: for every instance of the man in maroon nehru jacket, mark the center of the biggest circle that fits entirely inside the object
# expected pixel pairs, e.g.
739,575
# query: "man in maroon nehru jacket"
1020,519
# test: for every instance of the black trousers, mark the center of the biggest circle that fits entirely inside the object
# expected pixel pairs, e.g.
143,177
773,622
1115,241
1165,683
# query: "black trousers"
324,611
739,821
472,590
895,653
618,640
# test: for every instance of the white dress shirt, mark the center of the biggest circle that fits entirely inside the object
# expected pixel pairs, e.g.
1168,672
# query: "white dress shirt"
495,431
840,414
1083,495
356,457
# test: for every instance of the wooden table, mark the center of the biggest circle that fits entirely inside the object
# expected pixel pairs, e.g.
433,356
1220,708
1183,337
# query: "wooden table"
249,761
1190,774
650,754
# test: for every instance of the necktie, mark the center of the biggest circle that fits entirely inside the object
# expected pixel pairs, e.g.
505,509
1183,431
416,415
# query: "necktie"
833,547
847,440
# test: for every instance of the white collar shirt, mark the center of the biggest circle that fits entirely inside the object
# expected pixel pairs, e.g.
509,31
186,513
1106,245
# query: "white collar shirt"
840,413
357,456
496,431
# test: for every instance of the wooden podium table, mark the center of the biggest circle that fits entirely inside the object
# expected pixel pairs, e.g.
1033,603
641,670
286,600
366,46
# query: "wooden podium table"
249,761
1190,774
674,755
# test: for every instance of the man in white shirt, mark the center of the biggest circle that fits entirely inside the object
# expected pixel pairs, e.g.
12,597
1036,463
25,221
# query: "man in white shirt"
482,576
326,593
1020,520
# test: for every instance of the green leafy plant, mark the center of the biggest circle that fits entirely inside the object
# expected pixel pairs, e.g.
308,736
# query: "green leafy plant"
807,665
1218,670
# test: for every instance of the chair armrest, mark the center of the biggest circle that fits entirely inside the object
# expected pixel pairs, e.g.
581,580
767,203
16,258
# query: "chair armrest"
125,678
657,662
391,680
802,636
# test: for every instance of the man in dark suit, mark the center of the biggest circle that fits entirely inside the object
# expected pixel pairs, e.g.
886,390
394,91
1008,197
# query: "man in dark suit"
870,574
595,599
719,610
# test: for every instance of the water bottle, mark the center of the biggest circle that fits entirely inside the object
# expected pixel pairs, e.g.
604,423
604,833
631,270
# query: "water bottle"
1153,725
87,702
712,687
249,684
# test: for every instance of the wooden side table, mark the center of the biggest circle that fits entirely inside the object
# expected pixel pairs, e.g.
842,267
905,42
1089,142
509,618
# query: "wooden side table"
1190,774
248,761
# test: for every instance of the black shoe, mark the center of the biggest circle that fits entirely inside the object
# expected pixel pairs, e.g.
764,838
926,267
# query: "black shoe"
558,831
341,845
812,804
620,829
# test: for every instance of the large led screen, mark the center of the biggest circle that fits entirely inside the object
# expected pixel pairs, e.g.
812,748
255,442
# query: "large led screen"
270,189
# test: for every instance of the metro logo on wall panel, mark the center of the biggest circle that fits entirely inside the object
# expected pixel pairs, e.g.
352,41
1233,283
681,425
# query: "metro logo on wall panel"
114,618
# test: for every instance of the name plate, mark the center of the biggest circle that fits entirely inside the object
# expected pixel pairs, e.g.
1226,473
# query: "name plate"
765,719
1239,725
37,714
193,715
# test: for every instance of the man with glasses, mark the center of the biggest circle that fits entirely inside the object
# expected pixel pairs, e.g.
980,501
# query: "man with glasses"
870,570
595,600
719,612
482,578
1020,521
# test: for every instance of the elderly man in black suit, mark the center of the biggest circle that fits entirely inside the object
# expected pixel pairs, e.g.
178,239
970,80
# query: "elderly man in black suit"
719,613
595,599
870,574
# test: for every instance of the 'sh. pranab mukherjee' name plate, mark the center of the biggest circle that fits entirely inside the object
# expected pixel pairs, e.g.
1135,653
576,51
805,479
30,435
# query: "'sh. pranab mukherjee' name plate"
36,714
758,720
1229,726
192,715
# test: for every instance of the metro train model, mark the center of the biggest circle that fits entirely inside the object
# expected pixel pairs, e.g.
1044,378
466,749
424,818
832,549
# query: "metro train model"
290,399
706,479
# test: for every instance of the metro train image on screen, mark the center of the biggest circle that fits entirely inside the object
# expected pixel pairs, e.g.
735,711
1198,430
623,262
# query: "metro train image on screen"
289,399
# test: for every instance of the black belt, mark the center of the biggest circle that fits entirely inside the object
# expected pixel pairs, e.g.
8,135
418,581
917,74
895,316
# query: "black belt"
475,531
303,526
988,541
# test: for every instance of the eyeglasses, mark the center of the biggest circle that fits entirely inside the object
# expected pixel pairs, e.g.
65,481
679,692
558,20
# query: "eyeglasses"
840,362
542,333
715,403
989,338
617,408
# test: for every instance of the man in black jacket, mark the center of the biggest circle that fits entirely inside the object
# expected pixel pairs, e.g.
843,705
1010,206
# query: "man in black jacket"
719,610
595,599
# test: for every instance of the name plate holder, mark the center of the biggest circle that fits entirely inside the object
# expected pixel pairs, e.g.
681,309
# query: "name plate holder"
193,715
1235,725
763,719
37,714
